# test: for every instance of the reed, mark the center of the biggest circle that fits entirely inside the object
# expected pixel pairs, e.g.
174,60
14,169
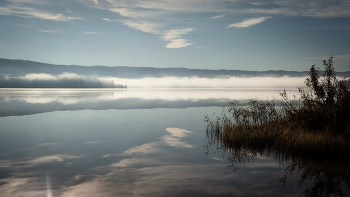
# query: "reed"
317,125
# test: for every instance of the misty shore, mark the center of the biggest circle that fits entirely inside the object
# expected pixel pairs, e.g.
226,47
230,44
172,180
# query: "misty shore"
60,81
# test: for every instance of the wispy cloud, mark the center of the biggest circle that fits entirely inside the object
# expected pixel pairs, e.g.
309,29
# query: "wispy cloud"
143,26
37,2
21,25
174,36
68,11
40,30
90,32
47,144
331,27
176,33
94,142
257,3
249,22
263,11
147,27
109,20
315,8
220,16
49,31
340,57
126,12
27,12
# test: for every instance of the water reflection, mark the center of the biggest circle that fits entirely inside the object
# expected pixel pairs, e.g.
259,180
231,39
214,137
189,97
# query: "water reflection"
328,176
131,152
17,102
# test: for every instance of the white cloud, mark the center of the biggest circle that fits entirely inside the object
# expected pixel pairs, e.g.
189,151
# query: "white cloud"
47,144
109,20
90,32
315,8
38,2
220,16
160,8
342,57
249,22
143,26
263,11
49,31
126,12
94,142
147,27
178,43
175,33
174,36
27,12
68,11
257,3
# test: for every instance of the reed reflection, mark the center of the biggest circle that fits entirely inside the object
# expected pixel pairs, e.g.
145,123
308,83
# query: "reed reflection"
329,176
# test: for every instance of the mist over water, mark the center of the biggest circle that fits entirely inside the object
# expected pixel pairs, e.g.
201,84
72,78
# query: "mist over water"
72,80
196,82
64,80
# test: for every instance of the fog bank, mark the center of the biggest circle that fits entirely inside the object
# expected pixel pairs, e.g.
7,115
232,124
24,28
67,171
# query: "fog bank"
65,80
196,82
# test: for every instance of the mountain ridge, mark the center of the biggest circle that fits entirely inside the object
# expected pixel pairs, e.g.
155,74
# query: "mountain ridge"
23,67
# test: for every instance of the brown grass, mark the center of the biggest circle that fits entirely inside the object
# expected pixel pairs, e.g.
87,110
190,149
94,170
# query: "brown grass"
317,125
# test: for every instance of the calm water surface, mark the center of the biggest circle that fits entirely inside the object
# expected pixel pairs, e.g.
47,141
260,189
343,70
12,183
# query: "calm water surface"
135,142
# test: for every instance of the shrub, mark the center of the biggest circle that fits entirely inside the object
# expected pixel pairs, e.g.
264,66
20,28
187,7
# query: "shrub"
326,107
315,126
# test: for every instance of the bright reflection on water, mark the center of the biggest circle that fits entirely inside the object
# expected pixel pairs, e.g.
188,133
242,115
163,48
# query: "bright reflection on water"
133,142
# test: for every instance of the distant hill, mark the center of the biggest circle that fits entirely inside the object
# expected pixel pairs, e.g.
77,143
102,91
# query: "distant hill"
23,67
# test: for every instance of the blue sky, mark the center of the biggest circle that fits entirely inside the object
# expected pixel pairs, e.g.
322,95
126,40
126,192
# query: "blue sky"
206,34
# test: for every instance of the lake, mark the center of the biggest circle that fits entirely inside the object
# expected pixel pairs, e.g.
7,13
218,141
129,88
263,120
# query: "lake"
140,142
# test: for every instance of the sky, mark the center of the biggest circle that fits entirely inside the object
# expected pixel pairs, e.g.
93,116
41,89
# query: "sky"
202,34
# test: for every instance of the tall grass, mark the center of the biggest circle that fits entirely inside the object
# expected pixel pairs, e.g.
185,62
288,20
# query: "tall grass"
317,125
311,134
241,128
